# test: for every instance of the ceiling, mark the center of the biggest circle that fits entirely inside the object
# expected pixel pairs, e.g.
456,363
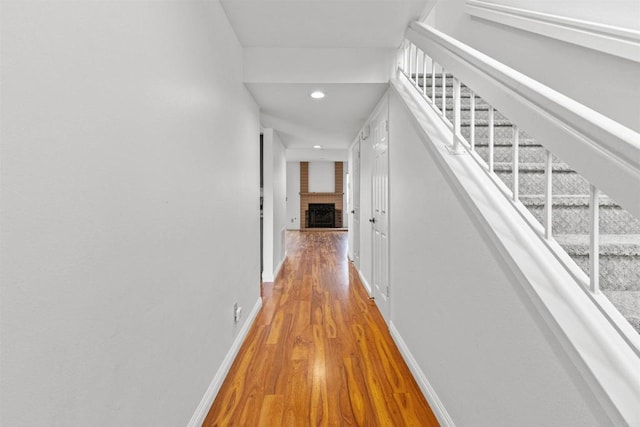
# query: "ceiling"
321,23
267,28
303,122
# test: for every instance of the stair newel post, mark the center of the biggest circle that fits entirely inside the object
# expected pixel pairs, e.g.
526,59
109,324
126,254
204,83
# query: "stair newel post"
516,155
548,194
594,239
456,115
444,93
417,65
472,128
424,74
433,82
407,60
491,138
403,63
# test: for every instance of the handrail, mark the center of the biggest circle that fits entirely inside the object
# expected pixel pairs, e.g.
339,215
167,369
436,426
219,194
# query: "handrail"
582,136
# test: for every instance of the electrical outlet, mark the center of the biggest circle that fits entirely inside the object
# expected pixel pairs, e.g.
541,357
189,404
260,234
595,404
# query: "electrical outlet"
237,313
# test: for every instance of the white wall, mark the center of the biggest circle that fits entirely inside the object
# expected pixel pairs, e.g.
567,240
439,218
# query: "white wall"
312,155
322,177
346,207
279,202
608,84
274,204
293,196
454,304
129,216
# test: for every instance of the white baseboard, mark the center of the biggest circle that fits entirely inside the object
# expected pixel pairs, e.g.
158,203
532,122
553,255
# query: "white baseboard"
207,400
366,284
271,278
429,393
279,266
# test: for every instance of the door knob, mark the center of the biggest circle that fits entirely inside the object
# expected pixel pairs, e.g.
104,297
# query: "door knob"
353,211
372,220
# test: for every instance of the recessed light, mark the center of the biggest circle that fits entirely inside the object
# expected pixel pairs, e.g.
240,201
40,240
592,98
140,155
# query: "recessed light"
317,147
317,94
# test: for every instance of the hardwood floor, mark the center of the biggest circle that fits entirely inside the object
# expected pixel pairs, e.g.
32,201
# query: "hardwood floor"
319,352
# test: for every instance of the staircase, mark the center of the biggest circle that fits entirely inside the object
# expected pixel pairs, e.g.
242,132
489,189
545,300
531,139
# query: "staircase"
619,230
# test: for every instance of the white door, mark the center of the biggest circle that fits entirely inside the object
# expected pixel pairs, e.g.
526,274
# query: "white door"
355,203
380,220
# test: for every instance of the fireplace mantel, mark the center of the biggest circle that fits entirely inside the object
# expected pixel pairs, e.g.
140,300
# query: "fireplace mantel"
322,194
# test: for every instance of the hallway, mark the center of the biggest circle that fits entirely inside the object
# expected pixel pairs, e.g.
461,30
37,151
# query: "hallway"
319,352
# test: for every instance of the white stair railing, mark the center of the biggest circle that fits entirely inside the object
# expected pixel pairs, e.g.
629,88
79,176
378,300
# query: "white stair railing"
582,136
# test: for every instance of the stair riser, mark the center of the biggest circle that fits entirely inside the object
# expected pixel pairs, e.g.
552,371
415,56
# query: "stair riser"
526,154
575,220
481,118
617,273
501,133
532,183
465,102
464,92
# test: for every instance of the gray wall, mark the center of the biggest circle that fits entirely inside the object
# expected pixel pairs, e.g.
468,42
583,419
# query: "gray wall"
458,309
605,83
130,213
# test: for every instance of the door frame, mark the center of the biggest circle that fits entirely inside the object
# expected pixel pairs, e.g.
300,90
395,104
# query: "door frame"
355,200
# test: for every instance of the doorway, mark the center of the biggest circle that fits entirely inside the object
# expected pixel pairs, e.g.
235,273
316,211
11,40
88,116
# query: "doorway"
380,211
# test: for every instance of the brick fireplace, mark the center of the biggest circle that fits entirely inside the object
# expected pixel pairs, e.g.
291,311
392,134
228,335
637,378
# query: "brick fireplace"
335,198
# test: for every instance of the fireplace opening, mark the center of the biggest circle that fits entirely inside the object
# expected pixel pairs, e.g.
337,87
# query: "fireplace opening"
321,215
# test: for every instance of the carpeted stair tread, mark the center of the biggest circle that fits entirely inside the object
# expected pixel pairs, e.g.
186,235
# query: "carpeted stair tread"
567,201
571,215
503,153
508,142
610,244
532,167
485,123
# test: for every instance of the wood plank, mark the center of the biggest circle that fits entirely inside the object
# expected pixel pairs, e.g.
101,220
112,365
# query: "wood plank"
271,410
319,352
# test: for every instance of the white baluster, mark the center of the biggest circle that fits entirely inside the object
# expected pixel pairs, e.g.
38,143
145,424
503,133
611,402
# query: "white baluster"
444,93
491,139
410,61
403,66
456,115
417,64
594,239
433,82
516,155
407,58
472,128
548,194
424,74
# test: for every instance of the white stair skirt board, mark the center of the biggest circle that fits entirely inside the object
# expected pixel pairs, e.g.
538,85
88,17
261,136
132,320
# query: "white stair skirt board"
366,284
429,393
207,400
